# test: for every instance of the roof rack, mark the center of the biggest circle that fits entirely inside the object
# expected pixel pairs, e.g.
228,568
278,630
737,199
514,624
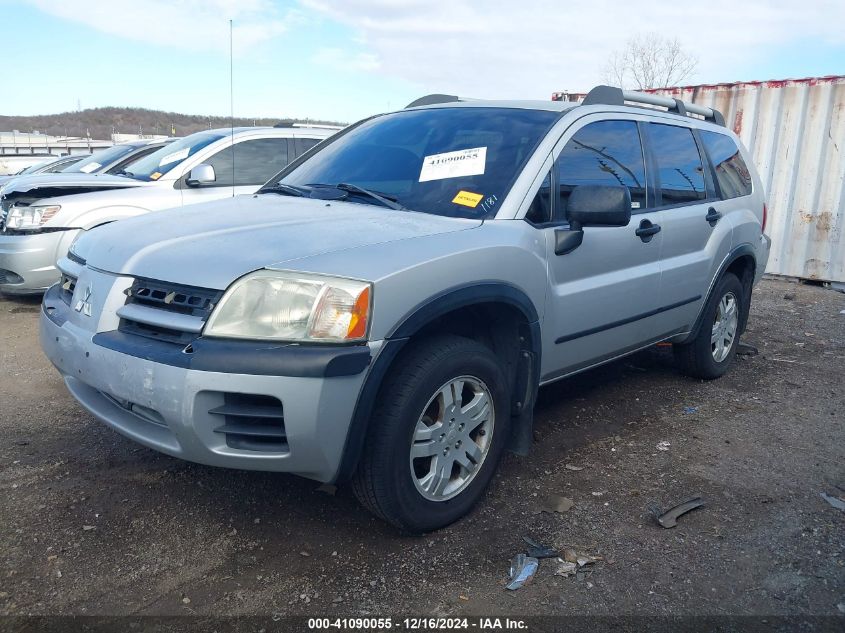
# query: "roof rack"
609,95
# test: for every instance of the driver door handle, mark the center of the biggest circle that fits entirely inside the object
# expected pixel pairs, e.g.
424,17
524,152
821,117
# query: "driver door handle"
647,230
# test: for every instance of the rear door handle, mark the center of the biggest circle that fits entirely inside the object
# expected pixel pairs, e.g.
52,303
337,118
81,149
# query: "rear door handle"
647,230
712,216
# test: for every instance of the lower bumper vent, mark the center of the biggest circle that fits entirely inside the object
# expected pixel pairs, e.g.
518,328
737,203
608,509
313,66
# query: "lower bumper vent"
8,277
252,423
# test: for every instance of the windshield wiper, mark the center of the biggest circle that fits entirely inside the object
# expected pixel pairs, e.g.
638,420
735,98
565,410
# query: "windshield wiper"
285,190
384,199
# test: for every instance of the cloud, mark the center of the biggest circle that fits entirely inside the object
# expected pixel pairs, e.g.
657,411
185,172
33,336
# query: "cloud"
502,48
340,59
193,25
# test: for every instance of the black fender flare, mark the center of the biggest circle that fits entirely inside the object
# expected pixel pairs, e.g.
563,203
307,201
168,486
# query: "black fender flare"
421,315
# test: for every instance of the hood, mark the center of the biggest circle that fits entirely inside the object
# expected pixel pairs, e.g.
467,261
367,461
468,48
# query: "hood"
66,184
210,245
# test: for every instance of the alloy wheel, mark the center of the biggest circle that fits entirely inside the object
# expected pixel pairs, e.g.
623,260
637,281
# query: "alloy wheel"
724,327
452,437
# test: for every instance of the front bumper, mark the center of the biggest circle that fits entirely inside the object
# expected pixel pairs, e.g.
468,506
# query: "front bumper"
28,262
167,407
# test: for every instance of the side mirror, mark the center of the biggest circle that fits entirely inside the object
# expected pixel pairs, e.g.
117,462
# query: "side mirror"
202,174
592,205
599,205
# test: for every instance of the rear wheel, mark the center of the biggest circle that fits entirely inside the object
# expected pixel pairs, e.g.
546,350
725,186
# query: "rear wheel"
710,353
436,435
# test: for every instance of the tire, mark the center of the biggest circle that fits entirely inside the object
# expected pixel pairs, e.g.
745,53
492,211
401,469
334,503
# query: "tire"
703,357
407,492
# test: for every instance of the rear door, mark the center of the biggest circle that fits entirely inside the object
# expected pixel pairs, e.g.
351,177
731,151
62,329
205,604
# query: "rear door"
696,238
241,168
602,294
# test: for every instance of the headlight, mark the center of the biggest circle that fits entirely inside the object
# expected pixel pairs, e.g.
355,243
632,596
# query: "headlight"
23,218
288,306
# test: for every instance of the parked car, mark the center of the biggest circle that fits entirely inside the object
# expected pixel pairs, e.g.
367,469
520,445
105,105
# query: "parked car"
385,309
114,159
42,215
50,166
111,160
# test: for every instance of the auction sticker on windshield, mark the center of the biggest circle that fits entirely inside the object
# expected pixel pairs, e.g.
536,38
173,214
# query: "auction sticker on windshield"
467,199
464,162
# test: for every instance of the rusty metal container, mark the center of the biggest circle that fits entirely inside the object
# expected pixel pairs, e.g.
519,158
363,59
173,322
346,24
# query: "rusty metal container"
795,130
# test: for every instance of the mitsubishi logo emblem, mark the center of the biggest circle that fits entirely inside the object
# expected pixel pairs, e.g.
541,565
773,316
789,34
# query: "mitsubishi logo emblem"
84,304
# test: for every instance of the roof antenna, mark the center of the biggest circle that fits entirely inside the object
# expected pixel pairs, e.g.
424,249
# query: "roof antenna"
232,104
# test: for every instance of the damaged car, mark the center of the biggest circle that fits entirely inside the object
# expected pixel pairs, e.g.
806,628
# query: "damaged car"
384,310
41,215
50,166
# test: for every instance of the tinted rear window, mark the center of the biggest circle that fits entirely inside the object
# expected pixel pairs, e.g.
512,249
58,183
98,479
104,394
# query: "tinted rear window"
731,171
256,161
679,166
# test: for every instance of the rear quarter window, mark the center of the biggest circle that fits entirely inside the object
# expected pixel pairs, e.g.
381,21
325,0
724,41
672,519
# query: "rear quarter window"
731,171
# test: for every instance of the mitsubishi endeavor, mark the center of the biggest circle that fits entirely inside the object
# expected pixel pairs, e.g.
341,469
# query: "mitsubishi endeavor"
385,308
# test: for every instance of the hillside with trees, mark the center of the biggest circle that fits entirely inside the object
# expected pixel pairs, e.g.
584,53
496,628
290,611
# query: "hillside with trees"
100,123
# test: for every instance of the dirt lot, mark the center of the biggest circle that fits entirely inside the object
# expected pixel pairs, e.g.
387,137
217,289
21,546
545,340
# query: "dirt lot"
94,524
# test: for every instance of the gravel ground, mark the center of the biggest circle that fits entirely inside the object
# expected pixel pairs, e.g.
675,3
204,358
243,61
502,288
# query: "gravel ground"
91,523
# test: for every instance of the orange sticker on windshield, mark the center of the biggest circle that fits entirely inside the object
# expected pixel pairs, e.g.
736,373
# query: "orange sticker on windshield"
467,199
155,175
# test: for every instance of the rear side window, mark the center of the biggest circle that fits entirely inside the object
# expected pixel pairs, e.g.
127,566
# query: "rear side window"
255,162
603,153
731,171
679,167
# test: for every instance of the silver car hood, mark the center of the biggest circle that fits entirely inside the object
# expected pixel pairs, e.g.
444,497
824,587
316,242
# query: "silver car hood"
212,244
74,181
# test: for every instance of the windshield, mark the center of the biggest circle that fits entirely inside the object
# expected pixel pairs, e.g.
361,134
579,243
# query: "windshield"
155,165
458,162
96,161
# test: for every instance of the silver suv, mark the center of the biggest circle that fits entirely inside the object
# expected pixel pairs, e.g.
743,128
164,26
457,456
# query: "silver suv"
41,215
385,309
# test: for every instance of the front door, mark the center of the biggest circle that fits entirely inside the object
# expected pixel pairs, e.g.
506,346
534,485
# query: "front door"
604,293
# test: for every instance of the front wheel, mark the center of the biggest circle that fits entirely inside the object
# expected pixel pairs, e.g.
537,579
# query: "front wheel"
436,435
711,352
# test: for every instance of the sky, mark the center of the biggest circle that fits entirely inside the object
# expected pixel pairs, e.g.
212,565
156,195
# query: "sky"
349,59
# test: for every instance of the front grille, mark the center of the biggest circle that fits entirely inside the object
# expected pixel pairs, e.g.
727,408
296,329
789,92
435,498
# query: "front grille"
173,297
252,422
67,285
169,299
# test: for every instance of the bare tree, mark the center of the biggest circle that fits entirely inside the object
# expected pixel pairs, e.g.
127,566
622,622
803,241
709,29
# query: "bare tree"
649,60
